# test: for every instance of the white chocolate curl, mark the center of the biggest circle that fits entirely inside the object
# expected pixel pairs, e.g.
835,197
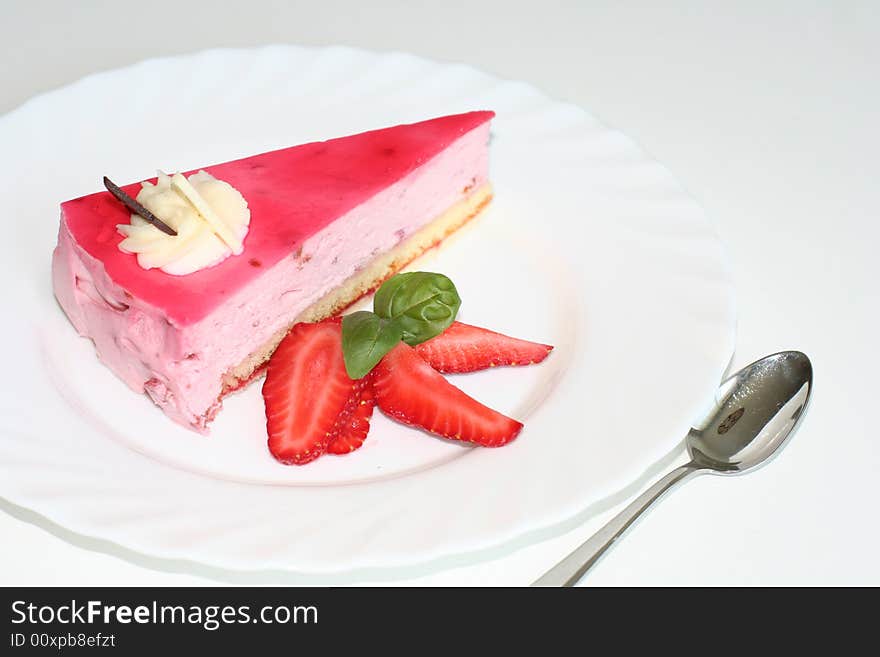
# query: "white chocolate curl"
201,241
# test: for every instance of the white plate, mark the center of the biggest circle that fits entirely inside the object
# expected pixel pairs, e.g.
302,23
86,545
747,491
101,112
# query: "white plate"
588,245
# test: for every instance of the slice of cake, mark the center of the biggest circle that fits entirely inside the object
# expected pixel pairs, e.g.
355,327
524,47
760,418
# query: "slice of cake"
189,308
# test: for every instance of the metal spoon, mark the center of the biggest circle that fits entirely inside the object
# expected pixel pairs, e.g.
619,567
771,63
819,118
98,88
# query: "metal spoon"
755,412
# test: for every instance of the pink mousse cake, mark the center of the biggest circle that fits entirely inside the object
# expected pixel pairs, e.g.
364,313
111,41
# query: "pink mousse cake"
329,221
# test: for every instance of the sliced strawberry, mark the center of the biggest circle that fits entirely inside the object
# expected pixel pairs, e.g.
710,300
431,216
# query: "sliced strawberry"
305,390
466,348
353,424
411,391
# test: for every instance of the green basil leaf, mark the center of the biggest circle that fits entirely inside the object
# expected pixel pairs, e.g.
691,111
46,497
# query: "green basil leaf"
366,337
423,304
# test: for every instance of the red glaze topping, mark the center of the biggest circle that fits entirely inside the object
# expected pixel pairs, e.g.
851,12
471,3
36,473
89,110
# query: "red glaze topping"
292,194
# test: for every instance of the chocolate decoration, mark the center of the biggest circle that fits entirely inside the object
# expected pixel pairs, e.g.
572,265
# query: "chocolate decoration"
137,208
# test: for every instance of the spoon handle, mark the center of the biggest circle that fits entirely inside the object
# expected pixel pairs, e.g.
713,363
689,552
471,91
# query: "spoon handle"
568,571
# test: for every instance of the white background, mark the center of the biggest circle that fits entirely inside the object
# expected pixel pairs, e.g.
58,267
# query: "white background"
767,112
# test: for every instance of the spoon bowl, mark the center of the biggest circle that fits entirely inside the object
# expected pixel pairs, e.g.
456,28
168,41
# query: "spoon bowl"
755,412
